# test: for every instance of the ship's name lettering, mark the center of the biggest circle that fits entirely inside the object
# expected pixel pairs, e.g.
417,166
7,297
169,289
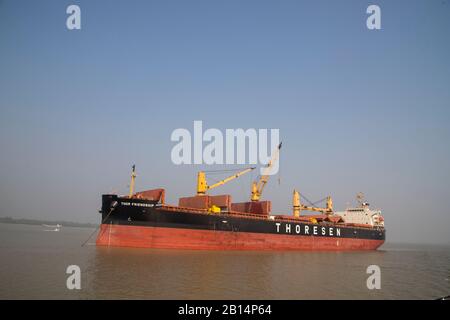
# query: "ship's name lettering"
136,204
308,230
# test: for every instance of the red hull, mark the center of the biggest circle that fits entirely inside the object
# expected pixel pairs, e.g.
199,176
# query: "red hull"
173,238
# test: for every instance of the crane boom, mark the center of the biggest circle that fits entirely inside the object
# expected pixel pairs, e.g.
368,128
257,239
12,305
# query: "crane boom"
202,185
258,186
297,206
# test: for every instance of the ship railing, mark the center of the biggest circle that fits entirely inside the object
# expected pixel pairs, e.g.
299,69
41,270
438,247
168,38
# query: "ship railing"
205,211
255,216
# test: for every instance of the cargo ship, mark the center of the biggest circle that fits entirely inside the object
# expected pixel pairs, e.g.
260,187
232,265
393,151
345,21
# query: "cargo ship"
214,222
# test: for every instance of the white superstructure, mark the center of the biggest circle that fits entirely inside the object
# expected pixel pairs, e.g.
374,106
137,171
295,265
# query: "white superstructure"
362,215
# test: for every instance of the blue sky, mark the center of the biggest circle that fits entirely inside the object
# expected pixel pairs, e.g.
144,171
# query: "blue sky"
358,110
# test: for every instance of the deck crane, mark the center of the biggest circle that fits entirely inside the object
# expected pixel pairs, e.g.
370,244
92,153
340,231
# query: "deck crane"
298,206
203,187
258,186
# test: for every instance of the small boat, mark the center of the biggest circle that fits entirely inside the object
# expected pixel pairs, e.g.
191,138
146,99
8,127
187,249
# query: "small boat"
55,228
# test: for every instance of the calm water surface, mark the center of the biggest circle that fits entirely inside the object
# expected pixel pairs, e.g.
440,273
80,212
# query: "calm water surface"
34,262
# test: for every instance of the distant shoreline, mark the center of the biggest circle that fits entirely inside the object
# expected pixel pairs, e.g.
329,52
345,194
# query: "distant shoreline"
40,222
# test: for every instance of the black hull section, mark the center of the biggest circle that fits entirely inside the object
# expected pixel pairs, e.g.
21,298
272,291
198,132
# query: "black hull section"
120,211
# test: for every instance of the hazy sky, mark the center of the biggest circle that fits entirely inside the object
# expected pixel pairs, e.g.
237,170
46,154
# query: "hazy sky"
358,110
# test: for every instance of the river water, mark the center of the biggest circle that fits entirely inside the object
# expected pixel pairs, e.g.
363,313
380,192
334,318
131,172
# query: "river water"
34,263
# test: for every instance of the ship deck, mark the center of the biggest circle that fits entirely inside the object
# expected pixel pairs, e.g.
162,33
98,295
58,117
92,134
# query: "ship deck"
273,217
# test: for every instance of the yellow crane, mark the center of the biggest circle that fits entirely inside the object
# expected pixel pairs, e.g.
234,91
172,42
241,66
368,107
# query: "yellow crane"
258,186
298,206
203,187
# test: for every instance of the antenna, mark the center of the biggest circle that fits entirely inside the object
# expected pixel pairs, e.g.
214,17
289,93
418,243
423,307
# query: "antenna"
360,198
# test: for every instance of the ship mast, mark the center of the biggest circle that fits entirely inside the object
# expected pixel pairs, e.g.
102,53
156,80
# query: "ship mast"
133,179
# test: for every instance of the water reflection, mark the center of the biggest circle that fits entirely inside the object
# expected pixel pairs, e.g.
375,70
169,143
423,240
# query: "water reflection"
173,274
